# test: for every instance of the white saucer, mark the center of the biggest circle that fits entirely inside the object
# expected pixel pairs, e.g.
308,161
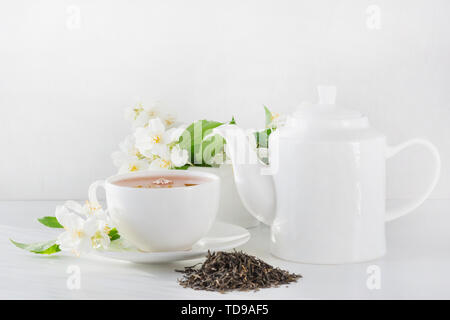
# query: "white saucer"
222,236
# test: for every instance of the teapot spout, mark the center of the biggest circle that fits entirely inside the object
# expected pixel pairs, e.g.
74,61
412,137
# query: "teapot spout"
254,184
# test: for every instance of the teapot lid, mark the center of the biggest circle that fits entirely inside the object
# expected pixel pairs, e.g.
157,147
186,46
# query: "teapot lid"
326,109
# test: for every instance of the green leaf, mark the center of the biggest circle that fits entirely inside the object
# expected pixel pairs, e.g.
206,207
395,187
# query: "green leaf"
232,121
193,137
46,247
204,165
268,116
113,234
210,147
50,222
262,138
185,167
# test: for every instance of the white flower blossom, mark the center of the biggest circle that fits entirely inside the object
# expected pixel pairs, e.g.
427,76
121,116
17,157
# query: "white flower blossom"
153,139
78,231
171,158
160,163
132,112
101,239
140,114
144,117
86,227
153,144
169,120
277,121
128,158
179,157
132,165
127,151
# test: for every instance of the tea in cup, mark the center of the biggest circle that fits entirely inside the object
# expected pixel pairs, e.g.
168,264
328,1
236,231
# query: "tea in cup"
161,210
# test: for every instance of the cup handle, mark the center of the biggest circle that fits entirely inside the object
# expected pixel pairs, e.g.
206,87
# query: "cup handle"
397,212
92,192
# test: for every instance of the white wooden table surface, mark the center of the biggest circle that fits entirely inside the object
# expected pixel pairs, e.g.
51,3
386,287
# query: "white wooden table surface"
417,265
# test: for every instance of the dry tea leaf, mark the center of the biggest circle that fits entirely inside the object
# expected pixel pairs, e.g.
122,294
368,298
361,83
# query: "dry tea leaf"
226,271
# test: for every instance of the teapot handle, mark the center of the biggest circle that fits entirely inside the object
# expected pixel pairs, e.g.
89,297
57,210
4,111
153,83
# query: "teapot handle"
397,212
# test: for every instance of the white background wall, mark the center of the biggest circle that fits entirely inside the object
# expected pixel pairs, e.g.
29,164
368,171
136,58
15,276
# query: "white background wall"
63,88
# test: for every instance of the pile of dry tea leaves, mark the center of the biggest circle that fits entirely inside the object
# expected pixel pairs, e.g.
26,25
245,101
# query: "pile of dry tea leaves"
226,271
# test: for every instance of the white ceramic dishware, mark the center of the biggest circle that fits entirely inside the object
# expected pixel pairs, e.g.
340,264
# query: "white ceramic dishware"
231,209
161,219
324,192
221,236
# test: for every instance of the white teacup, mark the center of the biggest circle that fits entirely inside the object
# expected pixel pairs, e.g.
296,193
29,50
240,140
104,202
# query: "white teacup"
162,219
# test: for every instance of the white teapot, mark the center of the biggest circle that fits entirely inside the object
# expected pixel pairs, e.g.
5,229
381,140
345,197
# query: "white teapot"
323,193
